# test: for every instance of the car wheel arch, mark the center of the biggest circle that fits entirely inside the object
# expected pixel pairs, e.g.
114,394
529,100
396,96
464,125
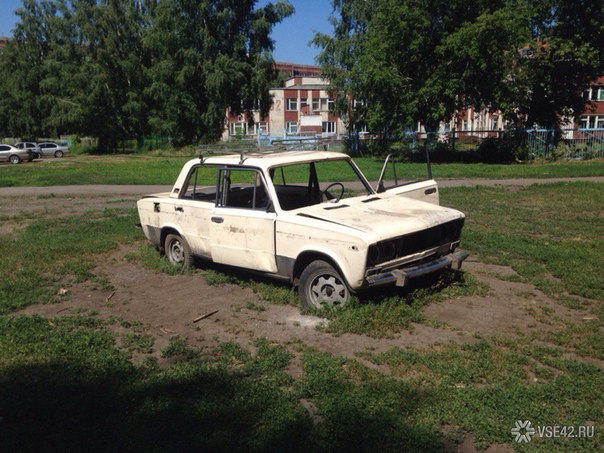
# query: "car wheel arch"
165,231
307,257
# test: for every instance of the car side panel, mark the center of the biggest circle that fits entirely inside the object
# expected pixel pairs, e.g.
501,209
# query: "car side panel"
348,251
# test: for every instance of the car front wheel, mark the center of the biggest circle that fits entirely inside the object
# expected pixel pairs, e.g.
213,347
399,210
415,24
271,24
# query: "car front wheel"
322,286
14,159
58,153
178,251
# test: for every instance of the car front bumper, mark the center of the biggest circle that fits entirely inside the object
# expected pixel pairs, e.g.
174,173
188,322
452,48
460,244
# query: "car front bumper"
400,276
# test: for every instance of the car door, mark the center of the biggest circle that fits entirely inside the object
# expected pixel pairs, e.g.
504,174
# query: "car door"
421,187
242,224
193,208
4,153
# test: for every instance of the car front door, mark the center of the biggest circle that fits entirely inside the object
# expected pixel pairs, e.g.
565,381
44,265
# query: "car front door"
394,181
242,224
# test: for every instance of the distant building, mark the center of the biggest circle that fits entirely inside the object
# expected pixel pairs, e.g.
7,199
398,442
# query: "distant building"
593,115
303,107
297,70
4,40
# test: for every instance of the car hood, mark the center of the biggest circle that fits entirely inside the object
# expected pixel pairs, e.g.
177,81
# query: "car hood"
381,216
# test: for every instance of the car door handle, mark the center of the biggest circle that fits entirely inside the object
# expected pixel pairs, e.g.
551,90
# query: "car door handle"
217,219
179,209
430,191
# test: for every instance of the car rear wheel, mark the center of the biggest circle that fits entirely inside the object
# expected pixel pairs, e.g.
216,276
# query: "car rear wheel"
14,159
178,251
59,153
322,286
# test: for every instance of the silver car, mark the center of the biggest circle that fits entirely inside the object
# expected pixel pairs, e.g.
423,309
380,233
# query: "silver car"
33,147
52,149
9,153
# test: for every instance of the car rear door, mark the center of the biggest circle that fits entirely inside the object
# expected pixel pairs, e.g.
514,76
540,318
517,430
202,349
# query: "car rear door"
242,224
394,180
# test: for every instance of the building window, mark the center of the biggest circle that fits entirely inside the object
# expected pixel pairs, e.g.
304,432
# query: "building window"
601,94
292,104
238,128
316,104
329,127
591,122
331,103
464,125
262,128
291,127
303,102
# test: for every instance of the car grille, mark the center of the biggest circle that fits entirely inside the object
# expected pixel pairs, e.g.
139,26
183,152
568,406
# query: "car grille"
412,243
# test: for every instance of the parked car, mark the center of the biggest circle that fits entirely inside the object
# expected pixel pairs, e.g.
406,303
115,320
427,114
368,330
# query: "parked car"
284,215
33,147
53,149
9,153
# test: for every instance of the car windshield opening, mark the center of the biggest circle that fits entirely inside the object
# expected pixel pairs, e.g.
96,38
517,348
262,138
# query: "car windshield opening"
310,183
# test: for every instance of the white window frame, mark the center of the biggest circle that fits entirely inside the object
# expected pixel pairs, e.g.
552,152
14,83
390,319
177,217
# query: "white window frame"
291,127
236,125
262,128
316,104
291,105
328,127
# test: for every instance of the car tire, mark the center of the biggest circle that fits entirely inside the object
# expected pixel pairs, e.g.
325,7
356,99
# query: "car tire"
322,286
37,156
59,153
178,251
14,159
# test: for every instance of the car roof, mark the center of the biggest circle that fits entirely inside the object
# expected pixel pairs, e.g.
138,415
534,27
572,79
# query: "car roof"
267,160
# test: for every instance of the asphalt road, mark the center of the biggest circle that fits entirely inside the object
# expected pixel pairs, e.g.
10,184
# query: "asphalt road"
98,189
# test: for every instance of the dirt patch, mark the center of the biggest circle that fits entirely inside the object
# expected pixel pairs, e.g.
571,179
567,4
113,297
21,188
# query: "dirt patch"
168,305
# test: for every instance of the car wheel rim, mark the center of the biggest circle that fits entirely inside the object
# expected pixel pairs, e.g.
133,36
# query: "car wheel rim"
176,252
328,290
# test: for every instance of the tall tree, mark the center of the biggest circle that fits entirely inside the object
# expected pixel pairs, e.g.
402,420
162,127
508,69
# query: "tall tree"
222,60
125,68
420,60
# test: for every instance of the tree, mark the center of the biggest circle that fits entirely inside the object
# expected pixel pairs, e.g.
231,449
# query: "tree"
117,69
414,60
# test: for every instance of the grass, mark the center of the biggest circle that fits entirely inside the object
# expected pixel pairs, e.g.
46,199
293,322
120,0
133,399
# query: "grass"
147,169
70,383
54,252
551,235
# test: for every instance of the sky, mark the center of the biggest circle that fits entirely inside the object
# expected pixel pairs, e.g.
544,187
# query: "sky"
291,36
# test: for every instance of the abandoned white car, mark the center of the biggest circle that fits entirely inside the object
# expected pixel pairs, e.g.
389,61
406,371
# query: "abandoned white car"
307,216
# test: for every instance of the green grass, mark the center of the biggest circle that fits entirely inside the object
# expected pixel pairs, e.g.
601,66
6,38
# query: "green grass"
69,383
146,169
550,234
65,383
54,252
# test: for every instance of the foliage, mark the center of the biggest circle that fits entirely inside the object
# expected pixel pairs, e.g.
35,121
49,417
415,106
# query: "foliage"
118,68
411,61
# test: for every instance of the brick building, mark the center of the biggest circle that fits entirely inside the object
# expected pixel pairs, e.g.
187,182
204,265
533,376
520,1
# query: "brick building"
300,108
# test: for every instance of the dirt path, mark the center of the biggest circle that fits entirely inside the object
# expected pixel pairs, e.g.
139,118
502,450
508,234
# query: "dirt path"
99,189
